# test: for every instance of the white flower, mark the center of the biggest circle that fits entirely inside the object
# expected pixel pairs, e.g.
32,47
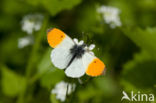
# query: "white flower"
87,48
110,15
78,42
61,90
25,41
32,23
91,47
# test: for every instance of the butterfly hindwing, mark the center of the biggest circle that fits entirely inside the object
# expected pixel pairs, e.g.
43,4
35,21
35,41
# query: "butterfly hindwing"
76,69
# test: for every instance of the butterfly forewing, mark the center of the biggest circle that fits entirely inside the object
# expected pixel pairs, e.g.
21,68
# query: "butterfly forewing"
60,55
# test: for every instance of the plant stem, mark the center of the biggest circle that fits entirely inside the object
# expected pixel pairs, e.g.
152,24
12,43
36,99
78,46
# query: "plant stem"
22,98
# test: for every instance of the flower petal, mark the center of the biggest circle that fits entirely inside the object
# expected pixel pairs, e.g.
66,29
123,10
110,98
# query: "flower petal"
75,40
92,46
81,42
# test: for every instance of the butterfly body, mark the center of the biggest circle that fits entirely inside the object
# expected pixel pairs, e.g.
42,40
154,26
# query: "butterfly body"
78,50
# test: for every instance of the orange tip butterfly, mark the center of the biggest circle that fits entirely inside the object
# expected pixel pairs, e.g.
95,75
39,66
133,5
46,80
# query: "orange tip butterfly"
73,56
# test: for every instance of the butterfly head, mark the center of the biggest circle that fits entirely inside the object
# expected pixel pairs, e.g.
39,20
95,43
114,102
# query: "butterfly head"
78,49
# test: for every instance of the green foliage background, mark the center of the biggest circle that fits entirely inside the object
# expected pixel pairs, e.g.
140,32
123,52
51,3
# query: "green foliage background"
129,52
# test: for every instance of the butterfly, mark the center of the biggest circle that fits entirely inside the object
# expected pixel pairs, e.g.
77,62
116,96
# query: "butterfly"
75,57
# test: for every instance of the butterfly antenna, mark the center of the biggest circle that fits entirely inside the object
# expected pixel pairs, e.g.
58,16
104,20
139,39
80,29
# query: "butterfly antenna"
85,37
82,35
88,39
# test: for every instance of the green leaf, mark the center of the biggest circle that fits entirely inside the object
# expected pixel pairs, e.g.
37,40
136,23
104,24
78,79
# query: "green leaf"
53,98
89,20
12,83
140,72
50,78
145,39
15,7
56,6
45,64
106,85
33,2
87,93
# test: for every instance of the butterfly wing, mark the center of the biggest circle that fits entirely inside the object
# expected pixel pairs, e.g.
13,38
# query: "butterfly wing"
88,64
60,57
61,43
93,65
76,69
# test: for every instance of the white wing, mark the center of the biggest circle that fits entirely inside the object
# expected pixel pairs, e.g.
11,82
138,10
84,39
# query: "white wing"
76,69
87,59
61,55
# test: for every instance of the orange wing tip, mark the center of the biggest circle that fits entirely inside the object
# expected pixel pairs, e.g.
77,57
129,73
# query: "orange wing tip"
55,37
95,68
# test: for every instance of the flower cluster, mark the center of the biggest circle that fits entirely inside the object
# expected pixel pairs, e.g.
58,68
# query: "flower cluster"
87,48
62,89
110,15
32,22
25,41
